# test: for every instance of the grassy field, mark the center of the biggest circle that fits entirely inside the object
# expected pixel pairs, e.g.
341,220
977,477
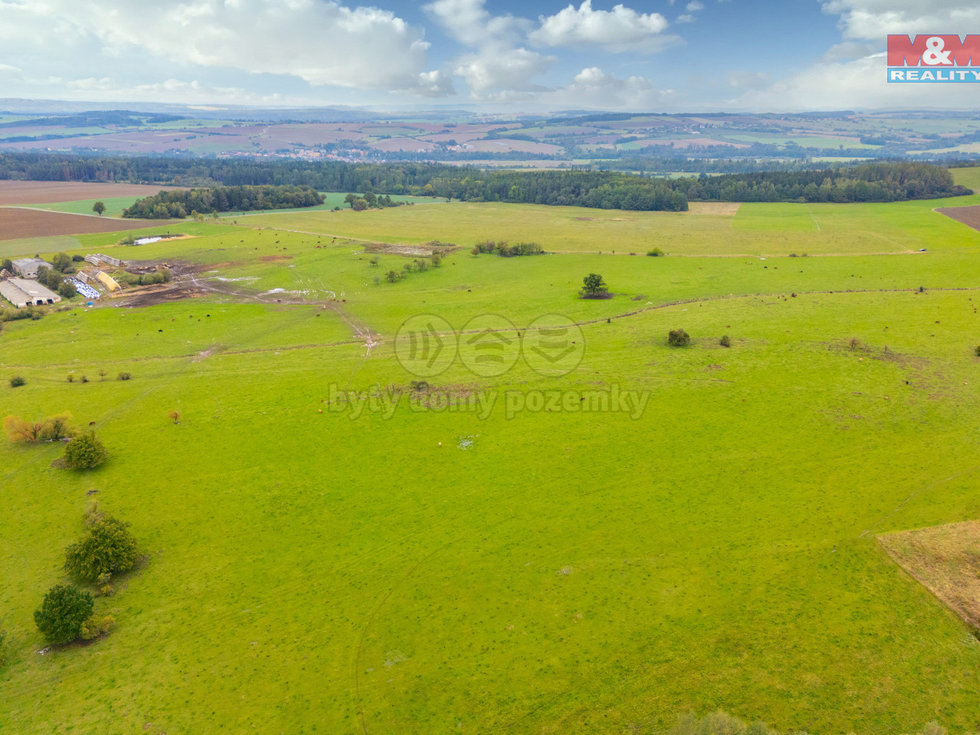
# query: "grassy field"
522,559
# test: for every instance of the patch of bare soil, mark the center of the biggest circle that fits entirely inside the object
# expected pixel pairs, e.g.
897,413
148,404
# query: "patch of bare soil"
969,216
46,192
723,209
17,223
945,560
417,251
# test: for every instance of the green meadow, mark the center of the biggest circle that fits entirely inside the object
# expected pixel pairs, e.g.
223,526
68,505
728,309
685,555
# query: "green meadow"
656,531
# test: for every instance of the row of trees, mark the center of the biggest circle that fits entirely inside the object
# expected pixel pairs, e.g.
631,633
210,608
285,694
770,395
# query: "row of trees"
874,182
505,250
884,181
178,204
370,200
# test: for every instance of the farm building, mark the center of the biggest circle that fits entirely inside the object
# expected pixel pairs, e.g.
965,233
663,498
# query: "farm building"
21,292
108,281
27,267
98,259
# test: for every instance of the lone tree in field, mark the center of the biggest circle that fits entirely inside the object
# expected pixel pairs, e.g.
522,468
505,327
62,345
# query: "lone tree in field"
84,452
594,287
678,338
98,207
63,613
108,548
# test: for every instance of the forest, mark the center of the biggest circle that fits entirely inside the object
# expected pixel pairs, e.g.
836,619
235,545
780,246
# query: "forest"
869,182
178,204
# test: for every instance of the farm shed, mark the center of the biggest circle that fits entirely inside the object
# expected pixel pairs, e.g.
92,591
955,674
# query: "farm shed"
27,267
98,259
20,292
108,281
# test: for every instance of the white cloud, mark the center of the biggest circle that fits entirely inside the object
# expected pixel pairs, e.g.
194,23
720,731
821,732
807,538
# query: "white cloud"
875,19
496,74
319,41
621,29
592,87
858,84
851,74
470,23
694,6
685,18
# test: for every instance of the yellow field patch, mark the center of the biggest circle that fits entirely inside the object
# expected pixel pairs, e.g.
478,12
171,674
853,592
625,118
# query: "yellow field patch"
944,559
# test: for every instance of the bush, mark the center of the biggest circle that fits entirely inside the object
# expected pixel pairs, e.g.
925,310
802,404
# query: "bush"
3,648
17,381
108,548
678,338
63,614
976,350
123,376
84,453
725,341
97,627
655,253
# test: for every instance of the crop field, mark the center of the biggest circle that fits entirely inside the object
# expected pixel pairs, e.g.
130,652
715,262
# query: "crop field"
22,222
594,543
34,192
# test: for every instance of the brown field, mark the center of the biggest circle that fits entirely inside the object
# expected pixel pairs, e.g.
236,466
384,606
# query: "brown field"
945,560
508,144
46,192
969,216
17,223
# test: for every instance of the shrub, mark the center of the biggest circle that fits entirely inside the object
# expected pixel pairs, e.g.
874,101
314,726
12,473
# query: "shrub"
678,338
655,253
97,627
3,648
108,548
123,376
976,350
725,341
17,381
63,613
57,427
393,276
84,453
20,431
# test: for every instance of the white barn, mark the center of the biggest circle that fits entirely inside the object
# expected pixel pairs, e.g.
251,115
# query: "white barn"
21,292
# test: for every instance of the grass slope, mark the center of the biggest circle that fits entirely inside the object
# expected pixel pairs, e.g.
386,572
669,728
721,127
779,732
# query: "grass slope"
412,570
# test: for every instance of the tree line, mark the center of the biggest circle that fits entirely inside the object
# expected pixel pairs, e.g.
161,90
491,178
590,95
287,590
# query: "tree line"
178,204
879,181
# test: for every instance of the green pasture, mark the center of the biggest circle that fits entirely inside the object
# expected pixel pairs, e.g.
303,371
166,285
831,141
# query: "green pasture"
381,566
114,206
757,229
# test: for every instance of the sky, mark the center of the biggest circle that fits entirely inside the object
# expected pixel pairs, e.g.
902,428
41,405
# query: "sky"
498,55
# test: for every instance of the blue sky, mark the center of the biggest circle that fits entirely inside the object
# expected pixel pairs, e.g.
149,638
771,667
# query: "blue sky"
651,55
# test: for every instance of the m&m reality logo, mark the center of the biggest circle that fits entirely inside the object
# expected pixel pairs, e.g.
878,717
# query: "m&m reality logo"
939,58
